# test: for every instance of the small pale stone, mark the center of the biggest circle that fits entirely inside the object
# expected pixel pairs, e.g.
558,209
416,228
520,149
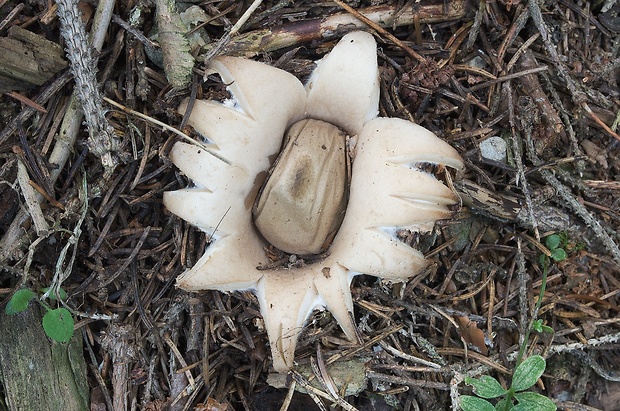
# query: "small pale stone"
493,148
477,62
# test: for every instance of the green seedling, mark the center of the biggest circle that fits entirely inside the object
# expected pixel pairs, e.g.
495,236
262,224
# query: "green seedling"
540,327
527,372
556,243
525,376
57,322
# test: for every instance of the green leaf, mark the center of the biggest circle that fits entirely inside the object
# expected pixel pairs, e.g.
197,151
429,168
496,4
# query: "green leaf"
502,405
533,401
528,372
19,302
58,324
540,327
553,241
547,329
62,294
559,254
486,386
470,403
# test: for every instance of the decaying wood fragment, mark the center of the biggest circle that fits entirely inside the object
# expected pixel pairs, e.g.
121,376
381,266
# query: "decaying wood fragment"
119,341
37,374
595,153
508,208
304,31
550,116
178,62
28,60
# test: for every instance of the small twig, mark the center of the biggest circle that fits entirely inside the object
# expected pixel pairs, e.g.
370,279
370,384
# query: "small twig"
42,98
516,148
518,24
32,202
166,127
101,140
320,371
221,43
611,339
537,17
102,386
598,121
381,31
306,30
475,27
289,396
596,367
134,32
11,15
524,47
455,381
522,279
410,382
244,17
120,342
180,359
26,101
45,195
569,200
129,259
484,363
567,121
365,345
315,392
408,357
60,273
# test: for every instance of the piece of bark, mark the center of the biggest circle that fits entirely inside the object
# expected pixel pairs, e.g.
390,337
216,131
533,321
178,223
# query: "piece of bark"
28,60
120,342
304,31
509,208
36,373
178,62
532,87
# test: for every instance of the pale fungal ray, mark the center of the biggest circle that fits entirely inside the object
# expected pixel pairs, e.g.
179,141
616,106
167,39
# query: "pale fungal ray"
347,100
333,284
289,299
228,264
198,165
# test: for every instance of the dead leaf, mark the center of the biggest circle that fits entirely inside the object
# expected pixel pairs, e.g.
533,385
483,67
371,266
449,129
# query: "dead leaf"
473,335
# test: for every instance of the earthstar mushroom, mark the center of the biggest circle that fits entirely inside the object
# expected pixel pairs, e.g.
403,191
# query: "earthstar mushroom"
389,188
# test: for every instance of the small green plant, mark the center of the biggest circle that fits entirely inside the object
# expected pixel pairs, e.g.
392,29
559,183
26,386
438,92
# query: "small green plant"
57,322
556,243
540,327
527,372
525,376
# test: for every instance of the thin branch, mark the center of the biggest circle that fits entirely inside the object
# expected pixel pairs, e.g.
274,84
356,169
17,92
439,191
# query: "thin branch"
381,31
101,140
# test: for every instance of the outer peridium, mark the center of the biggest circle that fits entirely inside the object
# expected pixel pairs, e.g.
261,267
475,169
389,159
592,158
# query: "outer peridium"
387,191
